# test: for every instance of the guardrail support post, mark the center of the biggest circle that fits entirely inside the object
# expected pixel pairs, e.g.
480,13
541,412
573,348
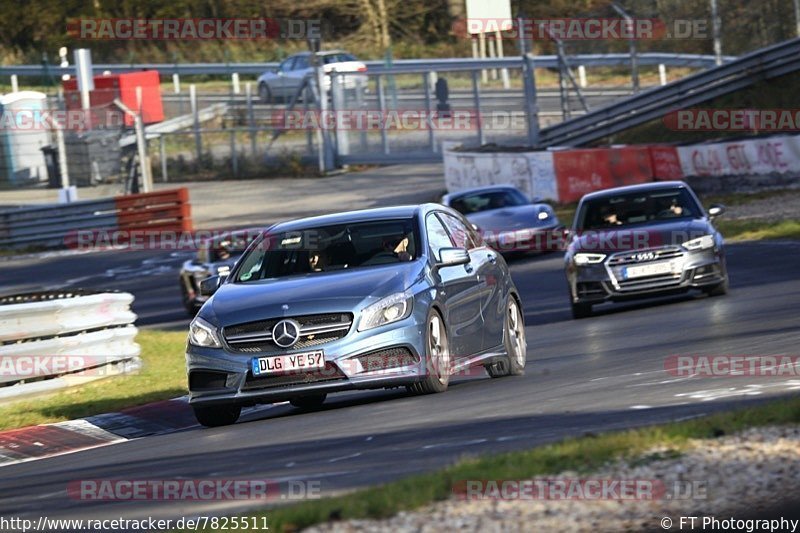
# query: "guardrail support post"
482,51
582,76
198,142
662,73
235,82
503,71
14,83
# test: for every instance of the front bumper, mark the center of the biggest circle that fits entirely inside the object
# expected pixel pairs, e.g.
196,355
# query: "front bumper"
606,281
235,384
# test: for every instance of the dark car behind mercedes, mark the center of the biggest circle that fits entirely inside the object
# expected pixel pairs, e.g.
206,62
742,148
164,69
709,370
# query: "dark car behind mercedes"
641,241
215,256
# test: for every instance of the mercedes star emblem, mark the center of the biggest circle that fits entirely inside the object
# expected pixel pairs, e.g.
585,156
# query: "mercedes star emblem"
286,333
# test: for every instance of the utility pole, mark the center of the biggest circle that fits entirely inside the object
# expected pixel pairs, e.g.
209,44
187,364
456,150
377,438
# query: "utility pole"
797,17
631,46
141,144
715,23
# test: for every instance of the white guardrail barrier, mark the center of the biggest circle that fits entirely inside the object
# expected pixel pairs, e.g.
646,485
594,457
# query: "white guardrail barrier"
50,340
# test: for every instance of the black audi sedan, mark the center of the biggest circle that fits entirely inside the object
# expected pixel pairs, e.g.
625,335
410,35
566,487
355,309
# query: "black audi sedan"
640,241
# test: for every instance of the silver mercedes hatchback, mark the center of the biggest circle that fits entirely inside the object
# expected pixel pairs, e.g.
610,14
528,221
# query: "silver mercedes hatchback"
403,296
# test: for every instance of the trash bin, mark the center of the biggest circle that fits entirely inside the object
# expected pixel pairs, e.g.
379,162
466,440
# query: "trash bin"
53,168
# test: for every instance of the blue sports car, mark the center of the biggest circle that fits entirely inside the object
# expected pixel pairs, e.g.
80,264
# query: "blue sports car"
403,296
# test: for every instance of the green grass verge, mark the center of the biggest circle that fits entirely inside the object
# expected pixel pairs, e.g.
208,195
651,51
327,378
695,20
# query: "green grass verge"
756,230
581,455
162,376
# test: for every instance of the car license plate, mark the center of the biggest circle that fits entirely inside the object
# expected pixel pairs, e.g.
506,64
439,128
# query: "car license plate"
280,364
641,271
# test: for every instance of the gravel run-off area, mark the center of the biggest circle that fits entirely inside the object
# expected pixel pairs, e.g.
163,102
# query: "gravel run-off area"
737,476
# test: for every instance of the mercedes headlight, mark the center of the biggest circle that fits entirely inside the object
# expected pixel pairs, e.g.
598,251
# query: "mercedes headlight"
700,243
201,333
390,309
589,259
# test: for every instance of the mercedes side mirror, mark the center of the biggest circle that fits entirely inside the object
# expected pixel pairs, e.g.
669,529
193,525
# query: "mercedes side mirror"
210,285
453,256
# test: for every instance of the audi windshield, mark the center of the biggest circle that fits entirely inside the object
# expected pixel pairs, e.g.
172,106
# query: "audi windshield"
618,210
330,248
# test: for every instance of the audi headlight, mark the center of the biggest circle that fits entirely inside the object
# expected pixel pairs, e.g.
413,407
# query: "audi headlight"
201,333
700,243
390,309
588,259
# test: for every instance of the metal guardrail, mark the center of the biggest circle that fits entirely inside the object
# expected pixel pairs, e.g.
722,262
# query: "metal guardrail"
50,318
153,131
398,66
81,335
63,225
49,225
652,104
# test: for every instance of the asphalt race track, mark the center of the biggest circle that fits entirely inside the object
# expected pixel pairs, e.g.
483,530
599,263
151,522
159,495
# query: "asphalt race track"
605,372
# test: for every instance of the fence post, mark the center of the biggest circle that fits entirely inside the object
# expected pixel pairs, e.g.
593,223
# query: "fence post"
251,122
163,155
529,84
306,107
476,95
234,156
631,46
382,107
362,136
62,155
428,121
482,52
337,100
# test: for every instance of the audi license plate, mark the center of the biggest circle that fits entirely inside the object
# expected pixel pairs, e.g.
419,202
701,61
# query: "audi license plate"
280,364
641,271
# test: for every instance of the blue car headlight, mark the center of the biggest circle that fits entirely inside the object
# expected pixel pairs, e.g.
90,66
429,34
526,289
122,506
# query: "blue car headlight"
201,333
385,311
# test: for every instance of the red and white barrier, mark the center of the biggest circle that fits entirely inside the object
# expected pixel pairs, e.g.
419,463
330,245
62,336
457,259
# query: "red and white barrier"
566,175
779,154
